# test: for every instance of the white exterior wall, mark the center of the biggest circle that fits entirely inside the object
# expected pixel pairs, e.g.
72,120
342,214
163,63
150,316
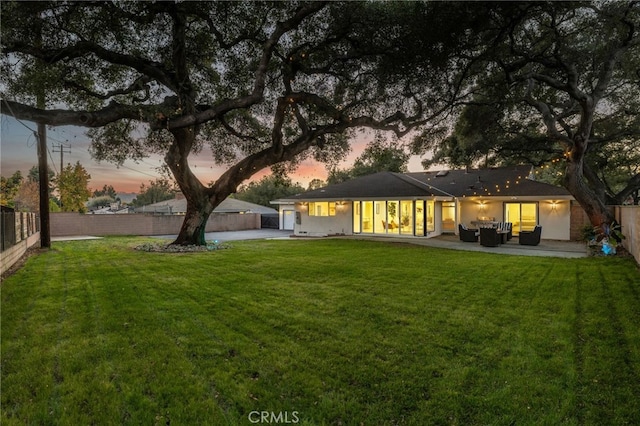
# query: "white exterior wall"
555,221
288,211
437,218
471,210
317,226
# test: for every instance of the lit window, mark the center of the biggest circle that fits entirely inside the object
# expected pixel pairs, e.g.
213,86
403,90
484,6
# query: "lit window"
322,208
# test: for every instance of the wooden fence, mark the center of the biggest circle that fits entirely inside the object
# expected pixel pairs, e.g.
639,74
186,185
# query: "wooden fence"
629,219
18,232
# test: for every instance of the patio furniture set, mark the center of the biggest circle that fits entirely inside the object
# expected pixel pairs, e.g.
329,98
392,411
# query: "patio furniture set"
498,233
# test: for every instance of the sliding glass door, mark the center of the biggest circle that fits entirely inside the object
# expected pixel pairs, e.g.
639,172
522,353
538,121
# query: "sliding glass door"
523,216
404,217
448,216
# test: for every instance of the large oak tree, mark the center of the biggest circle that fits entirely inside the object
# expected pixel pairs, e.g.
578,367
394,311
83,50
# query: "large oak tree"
557,81
260,83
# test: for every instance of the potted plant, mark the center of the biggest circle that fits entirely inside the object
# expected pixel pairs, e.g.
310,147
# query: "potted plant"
609,236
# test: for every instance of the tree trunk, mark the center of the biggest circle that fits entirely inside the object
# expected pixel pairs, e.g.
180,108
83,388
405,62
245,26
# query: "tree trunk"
202,200
576,185
199,203
195,222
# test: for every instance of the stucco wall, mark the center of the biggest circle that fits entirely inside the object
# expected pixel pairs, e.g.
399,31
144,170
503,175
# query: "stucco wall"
68,224
471,210
629,218
555,220
339,224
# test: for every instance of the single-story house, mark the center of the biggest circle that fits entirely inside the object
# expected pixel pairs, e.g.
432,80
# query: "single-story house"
431,203
178,206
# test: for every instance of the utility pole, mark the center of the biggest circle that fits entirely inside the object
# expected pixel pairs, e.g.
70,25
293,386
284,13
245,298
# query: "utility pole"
43,175
43,168
61,149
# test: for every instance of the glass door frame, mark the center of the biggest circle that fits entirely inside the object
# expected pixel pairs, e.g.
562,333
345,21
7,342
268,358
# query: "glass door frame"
359,212
445,205
516,230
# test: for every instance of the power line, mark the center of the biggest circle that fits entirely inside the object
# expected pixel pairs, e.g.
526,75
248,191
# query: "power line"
52,162
61,148
138,171
17,119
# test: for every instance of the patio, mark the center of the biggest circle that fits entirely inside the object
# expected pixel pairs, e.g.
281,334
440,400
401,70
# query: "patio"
548,248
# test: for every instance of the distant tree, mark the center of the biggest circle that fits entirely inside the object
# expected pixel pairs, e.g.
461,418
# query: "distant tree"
316,184
157,190
267,189
73,184
9,188
100,201
106,191
28,197
34,176
378,156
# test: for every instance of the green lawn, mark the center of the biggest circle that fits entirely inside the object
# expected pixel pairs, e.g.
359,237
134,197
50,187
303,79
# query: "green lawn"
319,332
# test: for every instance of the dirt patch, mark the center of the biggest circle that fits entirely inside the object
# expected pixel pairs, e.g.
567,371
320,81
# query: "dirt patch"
169,248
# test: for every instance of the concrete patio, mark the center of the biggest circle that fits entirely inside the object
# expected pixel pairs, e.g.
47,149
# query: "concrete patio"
548,248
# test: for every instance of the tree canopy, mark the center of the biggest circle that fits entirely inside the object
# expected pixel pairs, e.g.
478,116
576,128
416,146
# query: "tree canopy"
73,185
378,156
560,84
272,83
9,188
156,191
267,189
261,83
106,191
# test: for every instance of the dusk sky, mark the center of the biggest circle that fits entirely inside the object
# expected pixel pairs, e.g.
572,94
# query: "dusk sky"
18,152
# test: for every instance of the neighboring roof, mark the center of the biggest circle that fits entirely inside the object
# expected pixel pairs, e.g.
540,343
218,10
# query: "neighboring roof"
229,205
506,181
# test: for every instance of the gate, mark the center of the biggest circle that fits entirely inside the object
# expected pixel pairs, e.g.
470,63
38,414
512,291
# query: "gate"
269,221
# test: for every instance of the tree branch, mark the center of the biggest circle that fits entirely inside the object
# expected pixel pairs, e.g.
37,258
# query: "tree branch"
83,48
57,117
548,118
633,185
260,75
139,85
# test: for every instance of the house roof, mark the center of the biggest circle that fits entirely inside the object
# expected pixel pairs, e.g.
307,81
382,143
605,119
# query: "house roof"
229,205
378,185
506,181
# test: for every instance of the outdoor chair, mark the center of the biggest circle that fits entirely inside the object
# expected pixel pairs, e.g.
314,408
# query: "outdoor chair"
508,226
531,238
468,235
489,237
